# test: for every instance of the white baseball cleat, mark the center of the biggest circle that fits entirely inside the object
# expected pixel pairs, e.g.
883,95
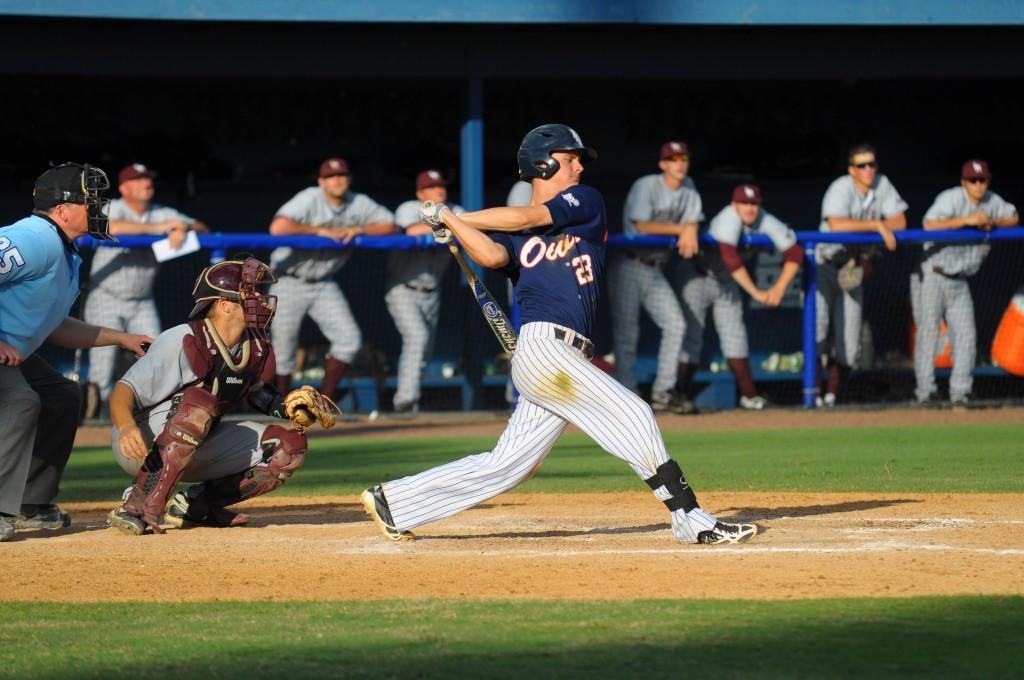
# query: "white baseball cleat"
725,532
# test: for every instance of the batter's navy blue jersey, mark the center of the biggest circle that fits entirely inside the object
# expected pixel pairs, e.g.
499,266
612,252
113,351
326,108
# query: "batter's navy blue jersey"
556,270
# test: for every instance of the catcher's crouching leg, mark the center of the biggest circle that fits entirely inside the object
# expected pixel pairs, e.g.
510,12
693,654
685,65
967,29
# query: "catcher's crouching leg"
173,449
205,504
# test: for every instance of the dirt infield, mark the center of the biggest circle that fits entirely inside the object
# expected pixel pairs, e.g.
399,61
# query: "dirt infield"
531,546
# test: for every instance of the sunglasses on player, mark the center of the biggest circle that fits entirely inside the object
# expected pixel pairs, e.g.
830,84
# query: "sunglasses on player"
862,166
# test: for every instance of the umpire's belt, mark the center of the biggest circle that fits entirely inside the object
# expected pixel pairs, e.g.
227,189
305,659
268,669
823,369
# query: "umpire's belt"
649,260
942,272
569,337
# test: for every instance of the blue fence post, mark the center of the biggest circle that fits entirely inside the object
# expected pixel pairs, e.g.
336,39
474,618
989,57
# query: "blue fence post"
810,286
472,148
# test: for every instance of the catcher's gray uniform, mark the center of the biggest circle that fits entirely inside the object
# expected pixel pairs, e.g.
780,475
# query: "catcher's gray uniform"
944,291
636,279
844,307
710,285
305,277
414,301
121,290
155,379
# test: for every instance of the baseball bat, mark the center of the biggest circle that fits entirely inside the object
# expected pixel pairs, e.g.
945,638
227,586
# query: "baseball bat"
493,313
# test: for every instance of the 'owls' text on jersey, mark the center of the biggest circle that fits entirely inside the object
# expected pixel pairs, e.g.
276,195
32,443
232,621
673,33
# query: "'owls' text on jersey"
556,270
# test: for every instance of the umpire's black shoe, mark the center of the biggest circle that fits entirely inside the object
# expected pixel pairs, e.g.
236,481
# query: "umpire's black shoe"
727,533
42,517
377,508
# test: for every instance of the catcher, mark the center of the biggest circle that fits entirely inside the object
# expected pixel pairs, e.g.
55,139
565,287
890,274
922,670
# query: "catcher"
167,410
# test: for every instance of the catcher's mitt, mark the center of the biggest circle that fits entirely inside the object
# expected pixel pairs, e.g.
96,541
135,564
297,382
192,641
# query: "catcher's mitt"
305,406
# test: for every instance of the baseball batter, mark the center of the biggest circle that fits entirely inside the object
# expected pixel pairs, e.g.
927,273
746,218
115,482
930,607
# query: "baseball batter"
716,278
167,410
664,203
554,252
121,279
945,270
860,201
414,290
306,283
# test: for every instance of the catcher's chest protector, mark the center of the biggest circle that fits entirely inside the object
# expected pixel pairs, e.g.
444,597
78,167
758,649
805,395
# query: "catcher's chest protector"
228,378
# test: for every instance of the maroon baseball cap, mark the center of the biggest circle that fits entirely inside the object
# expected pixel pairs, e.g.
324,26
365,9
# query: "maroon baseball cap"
746,193
975,169
673,148
430,178
134,171
333,166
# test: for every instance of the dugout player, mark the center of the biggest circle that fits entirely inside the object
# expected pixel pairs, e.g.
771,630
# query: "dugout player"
167,410
414,289
306,283
860,201
39,407
665,203
553,250
945,270
121,279
714,282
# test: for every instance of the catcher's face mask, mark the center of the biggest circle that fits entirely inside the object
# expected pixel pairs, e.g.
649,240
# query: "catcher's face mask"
257,306
243,281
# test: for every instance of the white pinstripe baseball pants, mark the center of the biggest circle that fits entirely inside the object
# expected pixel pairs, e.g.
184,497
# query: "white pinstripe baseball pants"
415,314
633,285
326,305
135,316
558,385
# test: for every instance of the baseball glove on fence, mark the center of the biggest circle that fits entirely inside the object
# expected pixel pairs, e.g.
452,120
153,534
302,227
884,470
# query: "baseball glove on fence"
305,406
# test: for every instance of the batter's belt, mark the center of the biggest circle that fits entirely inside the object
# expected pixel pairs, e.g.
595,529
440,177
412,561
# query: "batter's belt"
569,337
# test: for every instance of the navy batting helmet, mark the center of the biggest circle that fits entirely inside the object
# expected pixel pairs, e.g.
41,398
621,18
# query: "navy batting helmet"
539,143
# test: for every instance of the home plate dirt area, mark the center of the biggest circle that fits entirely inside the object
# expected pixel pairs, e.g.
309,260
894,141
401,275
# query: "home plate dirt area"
542,546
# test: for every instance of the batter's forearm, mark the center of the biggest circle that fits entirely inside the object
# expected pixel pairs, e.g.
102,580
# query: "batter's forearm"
478,245
508,218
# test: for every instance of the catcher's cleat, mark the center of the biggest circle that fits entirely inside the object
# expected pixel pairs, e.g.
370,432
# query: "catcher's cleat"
727,533
125,523
377,508
42,517
178,515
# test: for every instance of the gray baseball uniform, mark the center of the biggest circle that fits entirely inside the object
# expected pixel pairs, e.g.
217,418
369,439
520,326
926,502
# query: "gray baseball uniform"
121,290
711,285
231,446
636,280
845,307
414,301
305,277
944,291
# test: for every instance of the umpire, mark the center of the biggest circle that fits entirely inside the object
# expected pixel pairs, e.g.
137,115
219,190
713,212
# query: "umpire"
38,285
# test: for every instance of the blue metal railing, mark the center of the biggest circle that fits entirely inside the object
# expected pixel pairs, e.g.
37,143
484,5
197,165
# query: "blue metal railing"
221,243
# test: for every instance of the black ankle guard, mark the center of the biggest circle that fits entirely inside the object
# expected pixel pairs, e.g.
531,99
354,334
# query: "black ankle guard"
669,475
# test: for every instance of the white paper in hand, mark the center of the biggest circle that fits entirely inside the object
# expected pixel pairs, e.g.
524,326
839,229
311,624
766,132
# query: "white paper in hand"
163,251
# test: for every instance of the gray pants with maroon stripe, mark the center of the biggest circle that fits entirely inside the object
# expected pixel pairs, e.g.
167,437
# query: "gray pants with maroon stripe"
324,302
415,314
723,297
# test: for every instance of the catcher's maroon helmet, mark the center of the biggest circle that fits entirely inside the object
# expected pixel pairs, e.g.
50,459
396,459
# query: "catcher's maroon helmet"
242,281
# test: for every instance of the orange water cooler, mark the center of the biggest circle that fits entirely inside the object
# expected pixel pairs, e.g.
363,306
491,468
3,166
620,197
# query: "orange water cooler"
1008,345
944,356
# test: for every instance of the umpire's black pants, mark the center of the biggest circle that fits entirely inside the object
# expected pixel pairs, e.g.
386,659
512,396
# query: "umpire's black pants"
39,410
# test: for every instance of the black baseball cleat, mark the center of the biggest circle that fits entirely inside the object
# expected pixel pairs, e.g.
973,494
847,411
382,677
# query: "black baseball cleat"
377,508
725,532
46,516
179,515
125,523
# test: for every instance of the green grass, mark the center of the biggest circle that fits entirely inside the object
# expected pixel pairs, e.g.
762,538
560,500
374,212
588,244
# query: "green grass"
952,458
932,637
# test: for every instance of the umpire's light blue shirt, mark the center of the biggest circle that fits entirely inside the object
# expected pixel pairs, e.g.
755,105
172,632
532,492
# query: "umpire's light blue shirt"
38,282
